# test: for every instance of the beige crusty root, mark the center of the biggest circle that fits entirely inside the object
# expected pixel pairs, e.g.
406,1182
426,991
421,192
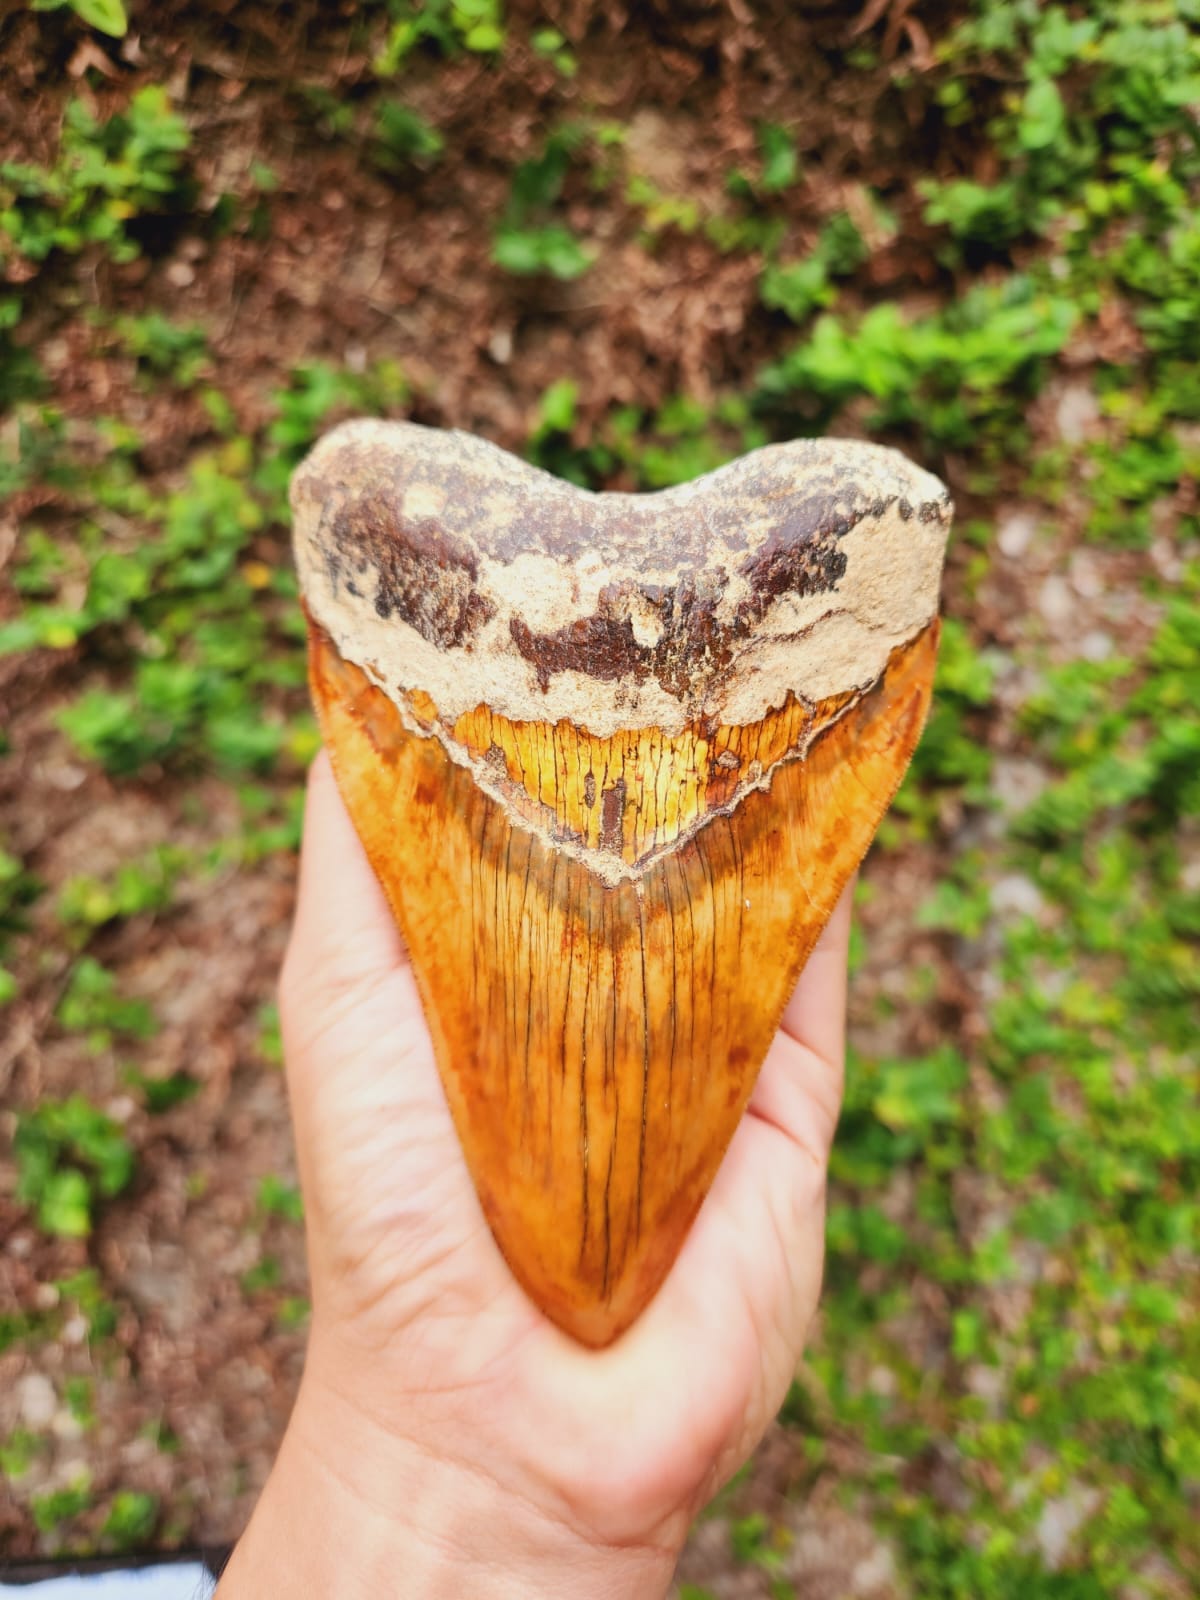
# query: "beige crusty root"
613,758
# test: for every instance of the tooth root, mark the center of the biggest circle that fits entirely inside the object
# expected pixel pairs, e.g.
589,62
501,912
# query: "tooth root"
599,1034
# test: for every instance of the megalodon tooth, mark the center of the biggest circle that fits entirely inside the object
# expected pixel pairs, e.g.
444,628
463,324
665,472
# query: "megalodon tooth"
613,758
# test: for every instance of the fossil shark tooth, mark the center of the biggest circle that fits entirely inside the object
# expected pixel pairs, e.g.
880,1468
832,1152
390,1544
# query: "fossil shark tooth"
613,759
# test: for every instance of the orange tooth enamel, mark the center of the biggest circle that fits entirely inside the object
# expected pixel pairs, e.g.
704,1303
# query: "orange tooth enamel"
613,759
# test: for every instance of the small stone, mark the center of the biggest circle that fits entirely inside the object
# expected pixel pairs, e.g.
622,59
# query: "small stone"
987,1384
1165,557
874,1574
180,275
1077,413
67,1427
500,347
1055,600
71,1473
1017,896
1016,783
1015,533
1060,1521
36,1400
1086,578
1096,645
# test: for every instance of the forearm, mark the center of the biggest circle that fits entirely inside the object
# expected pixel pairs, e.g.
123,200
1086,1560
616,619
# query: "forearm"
347,1513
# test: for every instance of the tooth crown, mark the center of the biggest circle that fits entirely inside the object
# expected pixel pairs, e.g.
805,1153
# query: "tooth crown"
441,564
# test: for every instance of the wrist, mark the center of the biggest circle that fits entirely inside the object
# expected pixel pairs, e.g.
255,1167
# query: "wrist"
351,1510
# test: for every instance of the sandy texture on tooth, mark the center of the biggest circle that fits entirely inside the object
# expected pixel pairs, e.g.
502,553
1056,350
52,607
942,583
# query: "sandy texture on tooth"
443,564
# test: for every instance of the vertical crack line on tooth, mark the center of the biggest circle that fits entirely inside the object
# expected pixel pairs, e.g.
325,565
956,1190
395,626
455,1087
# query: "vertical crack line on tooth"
645,1061
533,967
478,889
569,940
588,949
691,945
512,966
612,1155
739,877
674,970
706,866
611,1073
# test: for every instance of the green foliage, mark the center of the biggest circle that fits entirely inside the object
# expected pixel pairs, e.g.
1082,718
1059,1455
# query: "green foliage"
85,1291
58,1506
264,1274
106,16
406,139
1086,91
800,287
279,1199
164,349
131,1519
780,163
270,1038
951,753
1136,750
528,242
145,884
961,901
729,231
292,1312
163,1094
18,1452
172,706
447,26
552,44
961,375
679,442
80,1394
18,889
106,174
69,1155
547,248
91,1005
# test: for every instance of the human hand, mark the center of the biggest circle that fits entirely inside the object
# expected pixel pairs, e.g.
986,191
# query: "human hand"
447,1438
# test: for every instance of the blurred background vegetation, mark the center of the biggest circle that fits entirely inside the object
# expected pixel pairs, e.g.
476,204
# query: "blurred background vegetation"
629,242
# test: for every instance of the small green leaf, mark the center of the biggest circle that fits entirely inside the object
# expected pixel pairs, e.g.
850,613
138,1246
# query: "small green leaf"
65,1207
556,414
106,16
484,37
131,1518
1043,116
780,164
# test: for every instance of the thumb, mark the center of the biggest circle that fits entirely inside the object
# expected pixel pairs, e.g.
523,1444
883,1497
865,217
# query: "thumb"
346,993
344,934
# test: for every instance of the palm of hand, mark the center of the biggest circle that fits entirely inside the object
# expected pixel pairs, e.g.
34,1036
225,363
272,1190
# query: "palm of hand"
416,1316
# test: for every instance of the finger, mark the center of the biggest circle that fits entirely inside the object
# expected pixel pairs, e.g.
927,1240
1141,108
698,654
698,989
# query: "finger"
357,1054
343,932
